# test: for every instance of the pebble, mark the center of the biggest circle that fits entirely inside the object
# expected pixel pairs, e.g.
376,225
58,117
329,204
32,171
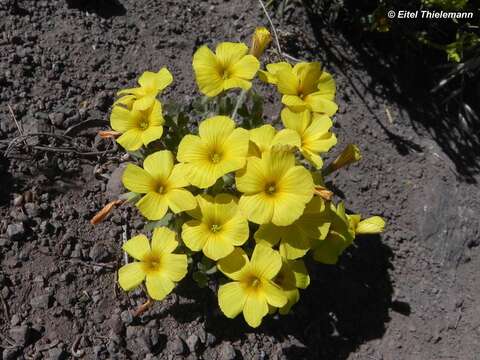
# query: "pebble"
56,353
192,343
57,119
227,352
176,346
20,335
41,301
99,253
16,231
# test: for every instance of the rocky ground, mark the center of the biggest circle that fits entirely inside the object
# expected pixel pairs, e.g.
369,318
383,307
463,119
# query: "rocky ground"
409,294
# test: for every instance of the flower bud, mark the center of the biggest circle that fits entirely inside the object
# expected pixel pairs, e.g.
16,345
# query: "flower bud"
372,225
102,214
350,155
109,134
323,192
260,40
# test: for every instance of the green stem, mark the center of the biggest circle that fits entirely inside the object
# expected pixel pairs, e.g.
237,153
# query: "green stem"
240,101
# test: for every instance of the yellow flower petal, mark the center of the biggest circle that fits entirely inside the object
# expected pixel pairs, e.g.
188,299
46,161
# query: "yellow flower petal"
151,134
297,121
372,225
236,149
153,206
266,262
207,74
254,310
326,86
234,265
237,230
231,299
268,234
245,68
180,200
263,137
156,81
144,103
177,178
252,180
270,76
120,119
234,82
191,149
286,137
302,279
308,74
175,266
229,53
159,286
295,243
138,180
258,208
159,165
215,130
287,82
137,247
275,295
130,276
163,241
217,247
194,235
131,140
294,103
317,103
155,117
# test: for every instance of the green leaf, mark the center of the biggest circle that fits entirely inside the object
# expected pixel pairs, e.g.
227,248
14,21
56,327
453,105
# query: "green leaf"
150,226
200,278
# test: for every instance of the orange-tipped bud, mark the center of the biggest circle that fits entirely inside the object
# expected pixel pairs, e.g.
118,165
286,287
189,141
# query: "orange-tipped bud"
109,134
323,192
102,214
260,40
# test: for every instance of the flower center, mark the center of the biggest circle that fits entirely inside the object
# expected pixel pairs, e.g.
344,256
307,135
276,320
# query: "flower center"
225,74
215,157
143,124
270,189
160,189
152,262
215,228
254,282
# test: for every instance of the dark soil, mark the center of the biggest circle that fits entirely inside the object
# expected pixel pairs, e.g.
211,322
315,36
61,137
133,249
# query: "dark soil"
410,294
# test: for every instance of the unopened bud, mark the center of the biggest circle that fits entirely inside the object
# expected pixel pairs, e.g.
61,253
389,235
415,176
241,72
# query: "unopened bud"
109,134
372,225
323,192
102,214
260,40
350,155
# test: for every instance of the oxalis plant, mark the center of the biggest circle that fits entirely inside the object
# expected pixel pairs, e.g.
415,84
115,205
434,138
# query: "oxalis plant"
225,196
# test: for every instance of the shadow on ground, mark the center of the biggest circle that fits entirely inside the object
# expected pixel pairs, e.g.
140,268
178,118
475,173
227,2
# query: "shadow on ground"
405,73
344,306
103,8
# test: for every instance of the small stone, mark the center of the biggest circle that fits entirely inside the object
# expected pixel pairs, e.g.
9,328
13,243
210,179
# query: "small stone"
41,302
227,352
192,343
18,200
115,323
16,231
57,119
20,335
15,320
176,346
210,340
32,209
127,317
99,253
56,353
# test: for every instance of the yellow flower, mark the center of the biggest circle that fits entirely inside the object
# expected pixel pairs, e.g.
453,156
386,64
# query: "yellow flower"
265,137
292,276
218,150
217,227
295,239
351,154
304,86
371,225
163,184
253,289
340,236
260,40
143,97
274,188
156,265
138,127
314,131
230,67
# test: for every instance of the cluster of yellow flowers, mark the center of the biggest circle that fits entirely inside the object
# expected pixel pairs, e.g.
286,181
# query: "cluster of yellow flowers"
253,201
